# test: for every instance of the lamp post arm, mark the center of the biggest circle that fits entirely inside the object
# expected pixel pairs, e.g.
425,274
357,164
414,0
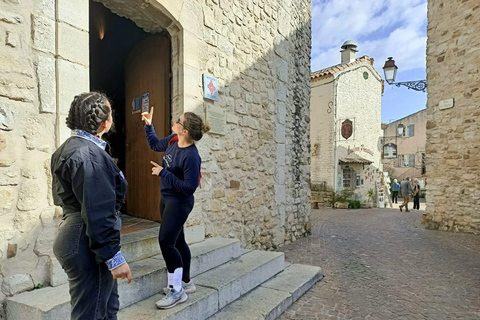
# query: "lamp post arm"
418,85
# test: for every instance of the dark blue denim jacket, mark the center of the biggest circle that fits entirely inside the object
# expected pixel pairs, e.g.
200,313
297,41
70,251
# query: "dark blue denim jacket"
87,181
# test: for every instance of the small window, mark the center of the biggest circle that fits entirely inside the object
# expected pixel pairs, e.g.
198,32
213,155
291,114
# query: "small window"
349,177
406,160
359,180
409,131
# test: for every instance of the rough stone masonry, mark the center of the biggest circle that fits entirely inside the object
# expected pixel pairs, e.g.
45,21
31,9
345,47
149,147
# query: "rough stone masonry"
452,152
255,184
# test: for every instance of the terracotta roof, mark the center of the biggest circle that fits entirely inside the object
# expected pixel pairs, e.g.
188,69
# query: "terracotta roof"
327,72
355,159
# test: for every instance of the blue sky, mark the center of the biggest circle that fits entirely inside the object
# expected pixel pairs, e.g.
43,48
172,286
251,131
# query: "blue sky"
381,29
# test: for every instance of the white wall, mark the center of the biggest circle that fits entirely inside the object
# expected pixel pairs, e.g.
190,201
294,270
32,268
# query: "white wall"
359,100
321,131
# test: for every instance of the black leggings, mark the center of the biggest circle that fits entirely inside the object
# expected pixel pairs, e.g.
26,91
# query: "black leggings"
175,250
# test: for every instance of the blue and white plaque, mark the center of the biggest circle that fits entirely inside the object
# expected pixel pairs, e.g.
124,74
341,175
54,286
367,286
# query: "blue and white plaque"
210,87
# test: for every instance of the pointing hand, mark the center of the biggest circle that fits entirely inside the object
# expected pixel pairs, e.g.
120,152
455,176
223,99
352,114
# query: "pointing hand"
147,117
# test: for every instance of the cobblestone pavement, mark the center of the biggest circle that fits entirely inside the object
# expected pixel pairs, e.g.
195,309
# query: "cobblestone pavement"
383,264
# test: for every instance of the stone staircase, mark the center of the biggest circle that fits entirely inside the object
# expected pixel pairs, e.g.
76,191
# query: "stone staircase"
232,283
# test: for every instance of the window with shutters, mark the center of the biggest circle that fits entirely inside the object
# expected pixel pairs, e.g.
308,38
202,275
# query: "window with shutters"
408,131
406,160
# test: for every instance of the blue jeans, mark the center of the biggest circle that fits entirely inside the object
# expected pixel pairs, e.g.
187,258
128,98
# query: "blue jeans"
93,292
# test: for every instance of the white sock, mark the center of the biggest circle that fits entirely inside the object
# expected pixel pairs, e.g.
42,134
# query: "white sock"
170,279
177,279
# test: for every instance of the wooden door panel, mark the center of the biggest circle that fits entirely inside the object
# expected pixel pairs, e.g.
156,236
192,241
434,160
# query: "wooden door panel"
147,69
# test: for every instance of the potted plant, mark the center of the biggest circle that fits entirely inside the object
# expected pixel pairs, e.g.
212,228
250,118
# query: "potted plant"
370,197
338,199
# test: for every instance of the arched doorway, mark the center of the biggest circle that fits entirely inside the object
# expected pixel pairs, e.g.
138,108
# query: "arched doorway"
127,63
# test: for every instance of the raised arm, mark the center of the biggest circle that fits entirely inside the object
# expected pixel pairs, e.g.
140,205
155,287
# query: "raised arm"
156,144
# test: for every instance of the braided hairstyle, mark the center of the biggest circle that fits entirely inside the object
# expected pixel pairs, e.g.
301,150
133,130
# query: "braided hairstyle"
87,111
195,125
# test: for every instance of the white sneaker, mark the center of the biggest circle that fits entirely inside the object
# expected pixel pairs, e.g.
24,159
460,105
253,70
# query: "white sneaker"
172,299
188,287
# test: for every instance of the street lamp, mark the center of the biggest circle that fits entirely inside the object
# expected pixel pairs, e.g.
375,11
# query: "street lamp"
390,70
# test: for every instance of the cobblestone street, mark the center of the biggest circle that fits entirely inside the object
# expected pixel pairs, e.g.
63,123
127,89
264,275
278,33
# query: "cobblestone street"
383,264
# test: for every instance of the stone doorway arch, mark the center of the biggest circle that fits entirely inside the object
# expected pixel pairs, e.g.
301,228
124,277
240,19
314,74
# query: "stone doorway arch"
182,19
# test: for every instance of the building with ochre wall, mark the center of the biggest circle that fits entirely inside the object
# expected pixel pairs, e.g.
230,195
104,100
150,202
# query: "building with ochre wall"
404,154
453,116
255,161
345,129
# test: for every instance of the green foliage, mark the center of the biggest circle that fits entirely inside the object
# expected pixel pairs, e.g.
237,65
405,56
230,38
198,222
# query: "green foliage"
39,286
371,194
354,204
339,196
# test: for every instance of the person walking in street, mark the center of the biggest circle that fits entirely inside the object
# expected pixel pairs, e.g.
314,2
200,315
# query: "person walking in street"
91,190
416,195
406,189
180,177
395,189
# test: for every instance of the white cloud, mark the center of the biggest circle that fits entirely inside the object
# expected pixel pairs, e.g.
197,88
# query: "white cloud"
380,28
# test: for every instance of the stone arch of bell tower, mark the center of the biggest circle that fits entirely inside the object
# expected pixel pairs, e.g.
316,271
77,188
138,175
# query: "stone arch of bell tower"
181,18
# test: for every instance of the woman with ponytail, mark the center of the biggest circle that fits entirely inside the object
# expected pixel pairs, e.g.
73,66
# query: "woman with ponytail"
180,177
91,190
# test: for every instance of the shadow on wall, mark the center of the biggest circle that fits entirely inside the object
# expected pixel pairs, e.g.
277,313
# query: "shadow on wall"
256,177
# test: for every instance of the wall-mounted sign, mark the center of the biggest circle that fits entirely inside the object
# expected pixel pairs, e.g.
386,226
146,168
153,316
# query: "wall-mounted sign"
136,105
145,102
217,119
446,104
390,151
347,129
210,87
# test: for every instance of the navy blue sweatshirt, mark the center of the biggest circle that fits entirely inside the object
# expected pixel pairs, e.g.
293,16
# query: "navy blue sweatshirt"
181,166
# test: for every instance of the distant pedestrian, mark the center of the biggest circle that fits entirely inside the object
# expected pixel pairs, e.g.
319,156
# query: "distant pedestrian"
406,189
395,189
416,195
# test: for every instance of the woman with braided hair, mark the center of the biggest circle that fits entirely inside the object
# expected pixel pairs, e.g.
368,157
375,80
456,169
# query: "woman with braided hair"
91,190
180,173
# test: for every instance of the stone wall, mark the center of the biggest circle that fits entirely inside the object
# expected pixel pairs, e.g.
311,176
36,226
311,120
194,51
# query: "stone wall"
255,178
453,156
27,139
258,174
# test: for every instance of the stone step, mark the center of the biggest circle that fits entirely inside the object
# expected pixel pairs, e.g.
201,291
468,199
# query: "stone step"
215,288
150,276
144,243
272,298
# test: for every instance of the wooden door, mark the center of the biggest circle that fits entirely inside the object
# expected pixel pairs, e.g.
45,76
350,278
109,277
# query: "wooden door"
147,69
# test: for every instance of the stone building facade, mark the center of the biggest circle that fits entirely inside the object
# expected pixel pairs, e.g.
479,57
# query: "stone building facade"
409,142
255,177
453,155
345,129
